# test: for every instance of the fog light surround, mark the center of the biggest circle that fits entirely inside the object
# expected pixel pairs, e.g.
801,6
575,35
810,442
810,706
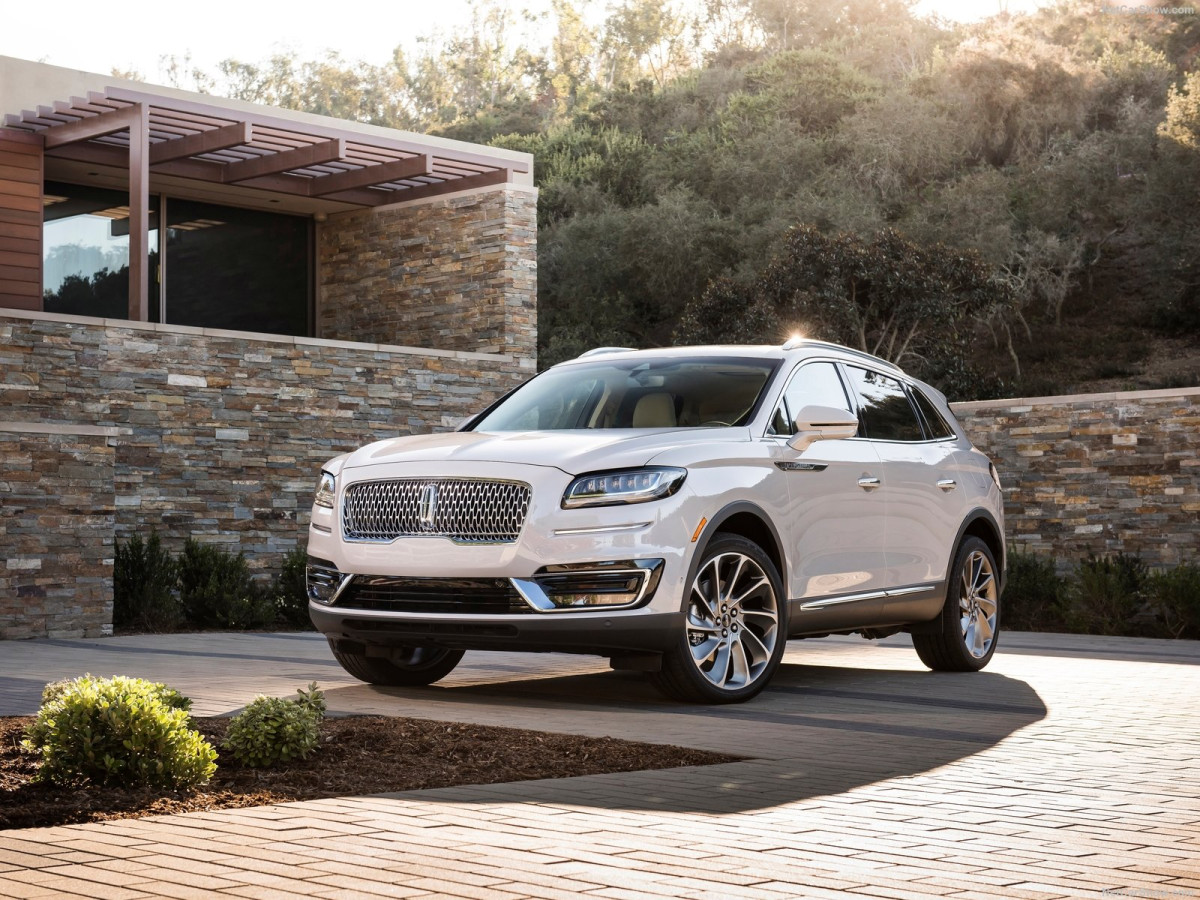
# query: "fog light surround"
578,587
323,582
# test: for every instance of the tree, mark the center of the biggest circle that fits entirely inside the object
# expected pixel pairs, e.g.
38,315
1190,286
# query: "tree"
911,304
1182,125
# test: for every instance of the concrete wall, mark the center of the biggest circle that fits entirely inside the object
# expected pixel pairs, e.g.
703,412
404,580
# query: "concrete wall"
218,435
458,273
1097,473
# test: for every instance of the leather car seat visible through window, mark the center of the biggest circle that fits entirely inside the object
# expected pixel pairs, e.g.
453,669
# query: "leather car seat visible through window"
655,411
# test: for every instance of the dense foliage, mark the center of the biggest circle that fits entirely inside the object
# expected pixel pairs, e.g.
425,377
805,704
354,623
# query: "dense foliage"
216,589
145,576
204,587
274,730
1115,595
118,731
680,143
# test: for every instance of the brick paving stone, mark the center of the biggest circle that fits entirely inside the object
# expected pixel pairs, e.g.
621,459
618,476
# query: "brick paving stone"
367,887
1078,785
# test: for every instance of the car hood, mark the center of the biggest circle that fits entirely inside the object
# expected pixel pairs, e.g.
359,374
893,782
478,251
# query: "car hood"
572,452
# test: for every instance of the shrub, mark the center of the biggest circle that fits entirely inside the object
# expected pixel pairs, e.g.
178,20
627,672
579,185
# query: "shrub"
1033,594
168,695
145,578
1175,594
272,730
118,731
290,591
216,589
1106,595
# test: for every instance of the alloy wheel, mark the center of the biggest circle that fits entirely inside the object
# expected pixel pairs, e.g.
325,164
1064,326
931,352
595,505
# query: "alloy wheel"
732,621
977,604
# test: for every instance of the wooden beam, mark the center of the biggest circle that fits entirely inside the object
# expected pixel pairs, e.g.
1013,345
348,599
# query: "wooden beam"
203,142
274,163
93,127
311,126
450,186
369,175
139,220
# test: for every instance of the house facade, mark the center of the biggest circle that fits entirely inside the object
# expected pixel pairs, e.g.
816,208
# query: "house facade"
201,300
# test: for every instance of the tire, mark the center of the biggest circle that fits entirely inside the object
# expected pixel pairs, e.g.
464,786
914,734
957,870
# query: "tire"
970,619
727,651
409,667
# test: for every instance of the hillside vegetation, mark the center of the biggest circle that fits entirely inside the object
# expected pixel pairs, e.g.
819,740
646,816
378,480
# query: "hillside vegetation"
1010,207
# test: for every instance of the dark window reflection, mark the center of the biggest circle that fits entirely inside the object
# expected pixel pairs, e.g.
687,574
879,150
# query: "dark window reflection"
85,251
236,268
883,409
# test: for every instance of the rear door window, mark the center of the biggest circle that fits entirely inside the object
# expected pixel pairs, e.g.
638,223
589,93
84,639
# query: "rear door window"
935,424
884,412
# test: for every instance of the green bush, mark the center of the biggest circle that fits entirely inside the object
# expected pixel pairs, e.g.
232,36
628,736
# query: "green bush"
1033,594
1106,595
273,730
118,731
217,591
1175,596
145,578
290,591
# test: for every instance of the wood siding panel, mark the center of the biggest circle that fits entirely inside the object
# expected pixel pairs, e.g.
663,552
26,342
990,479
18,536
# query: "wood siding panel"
21,217
21,158
20,273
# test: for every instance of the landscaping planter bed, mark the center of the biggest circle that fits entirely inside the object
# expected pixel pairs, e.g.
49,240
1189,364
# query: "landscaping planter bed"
358,755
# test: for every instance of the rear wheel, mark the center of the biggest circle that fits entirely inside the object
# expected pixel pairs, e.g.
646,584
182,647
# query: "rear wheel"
970,620
735,627
407,666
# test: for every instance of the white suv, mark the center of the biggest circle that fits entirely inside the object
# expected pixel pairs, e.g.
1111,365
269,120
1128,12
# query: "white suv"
680,511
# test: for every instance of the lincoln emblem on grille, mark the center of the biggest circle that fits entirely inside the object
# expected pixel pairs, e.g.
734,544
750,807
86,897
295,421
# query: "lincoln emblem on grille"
427,505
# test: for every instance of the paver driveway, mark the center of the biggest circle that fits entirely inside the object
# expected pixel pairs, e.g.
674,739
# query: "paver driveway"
1070,768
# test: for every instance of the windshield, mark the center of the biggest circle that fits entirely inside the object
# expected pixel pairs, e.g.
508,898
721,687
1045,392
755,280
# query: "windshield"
671,392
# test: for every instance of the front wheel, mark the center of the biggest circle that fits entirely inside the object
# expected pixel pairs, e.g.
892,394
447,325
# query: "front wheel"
735,627
970,620
407,667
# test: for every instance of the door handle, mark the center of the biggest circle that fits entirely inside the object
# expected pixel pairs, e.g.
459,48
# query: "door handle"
947,484
868,483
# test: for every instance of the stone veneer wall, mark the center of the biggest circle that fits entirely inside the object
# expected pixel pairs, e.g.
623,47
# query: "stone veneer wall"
56,531
219,436
459,273
1097,473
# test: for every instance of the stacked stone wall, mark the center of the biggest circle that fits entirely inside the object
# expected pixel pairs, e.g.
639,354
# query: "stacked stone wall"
221,434
458,273
56,531
1097,474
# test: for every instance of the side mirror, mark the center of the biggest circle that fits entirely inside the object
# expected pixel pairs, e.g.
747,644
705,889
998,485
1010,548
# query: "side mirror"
822,423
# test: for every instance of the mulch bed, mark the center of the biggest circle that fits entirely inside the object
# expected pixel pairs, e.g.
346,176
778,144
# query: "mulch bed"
358,755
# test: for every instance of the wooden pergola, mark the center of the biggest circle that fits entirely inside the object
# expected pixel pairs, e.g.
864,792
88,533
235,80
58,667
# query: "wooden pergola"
151,134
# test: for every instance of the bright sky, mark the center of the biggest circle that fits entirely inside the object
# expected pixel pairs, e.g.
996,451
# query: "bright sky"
135,34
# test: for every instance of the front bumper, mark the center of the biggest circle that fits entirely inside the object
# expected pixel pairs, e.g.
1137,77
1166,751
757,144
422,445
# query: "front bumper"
603,634
510,595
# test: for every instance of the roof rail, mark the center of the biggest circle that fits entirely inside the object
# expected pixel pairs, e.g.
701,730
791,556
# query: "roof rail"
600,351
796,343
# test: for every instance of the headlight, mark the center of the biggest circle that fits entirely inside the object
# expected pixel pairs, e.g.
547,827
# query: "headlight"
628,486
325,489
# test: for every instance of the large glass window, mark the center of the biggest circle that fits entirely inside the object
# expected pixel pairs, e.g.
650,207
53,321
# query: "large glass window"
221,266
85,251
236,268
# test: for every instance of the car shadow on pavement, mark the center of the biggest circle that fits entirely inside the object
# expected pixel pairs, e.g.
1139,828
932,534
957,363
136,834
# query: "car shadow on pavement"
816,730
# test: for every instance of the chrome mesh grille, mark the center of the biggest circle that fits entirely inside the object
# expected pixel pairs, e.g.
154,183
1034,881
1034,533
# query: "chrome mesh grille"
468,510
